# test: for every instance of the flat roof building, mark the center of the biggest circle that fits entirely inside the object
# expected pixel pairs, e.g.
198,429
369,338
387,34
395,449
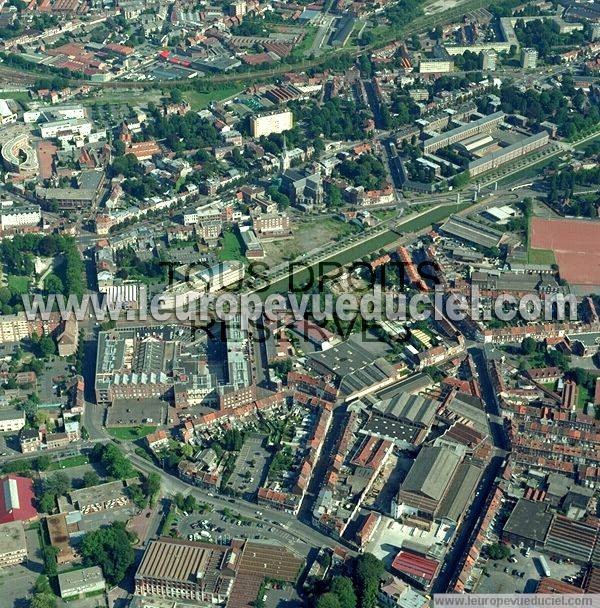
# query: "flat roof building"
79,582
528,523
13,545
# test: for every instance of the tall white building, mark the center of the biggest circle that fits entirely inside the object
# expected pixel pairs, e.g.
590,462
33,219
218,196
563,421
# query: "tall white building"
529,58
489,60
276,122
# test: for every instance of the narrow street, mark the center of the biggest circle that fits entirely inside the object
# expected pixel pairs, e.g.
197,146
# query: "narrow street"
486,485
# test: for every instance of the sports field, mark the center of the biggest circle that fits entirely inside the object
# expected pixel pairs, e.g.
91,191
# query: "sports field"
575,247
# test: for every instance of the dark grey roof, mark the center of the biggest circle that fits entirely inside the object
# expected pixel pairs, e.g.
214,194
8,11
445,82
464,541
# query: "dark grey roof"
390,429
529,520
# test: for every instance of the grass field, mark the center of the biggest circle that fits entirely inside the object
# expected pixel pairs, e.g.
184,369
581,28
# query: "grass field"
131,433
20,96
541,256
583,397
17,284
538,256
231,247
67,463
199,100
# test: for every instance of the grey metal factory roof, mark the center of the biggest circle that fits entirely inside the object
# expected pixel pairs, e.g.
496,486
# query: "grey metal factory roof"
471,231
409,408
461,489
431,472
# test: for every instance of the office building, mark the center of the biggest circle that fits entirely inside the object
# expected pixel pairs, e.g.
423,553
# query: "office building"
275,122
66,128
475,127
505,155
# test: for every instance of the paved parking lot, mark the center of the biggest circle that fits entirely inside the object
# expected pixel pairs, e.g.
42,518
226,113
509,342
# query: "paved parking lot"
46,384
129,412
251,464
283,598
504,582
223,527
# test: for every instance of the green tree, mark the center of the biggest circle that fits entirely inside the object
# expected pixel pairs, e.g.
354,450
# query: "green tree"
47,347
190,504
41,463
53,284
43,600
58,483
49,554
498,551
90,479
368,571
42,585
136,494
328,600
342,588
116,463
47,502
109,547
528,346
151,486
119,147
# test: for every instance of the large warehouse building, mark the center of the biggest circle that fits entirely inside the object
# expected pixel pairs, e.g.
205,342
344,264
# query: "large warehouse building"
481,125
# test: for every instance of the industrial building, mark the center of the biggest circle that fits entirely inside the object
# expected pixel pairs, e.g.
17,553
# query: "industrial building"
471,232
505,155
212,574
475,127
438,486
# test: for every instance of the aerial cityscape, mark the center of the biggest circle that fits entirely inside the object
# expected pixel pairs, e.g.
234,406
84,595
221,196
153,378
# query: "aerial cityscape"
299,303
